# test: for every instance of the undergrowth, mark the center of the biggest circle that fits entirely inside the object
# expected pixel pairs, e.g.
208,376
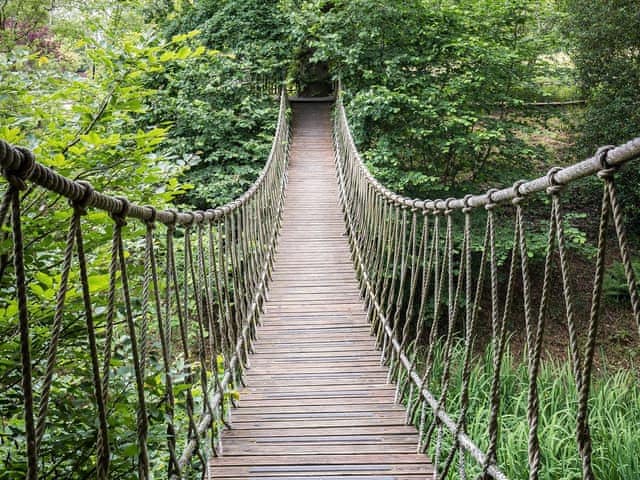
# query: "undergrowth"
614,417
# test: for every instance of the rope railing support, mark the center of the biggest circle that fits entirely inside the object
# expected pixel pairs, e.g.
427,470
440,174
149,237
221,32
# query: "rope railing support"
427,286
187,315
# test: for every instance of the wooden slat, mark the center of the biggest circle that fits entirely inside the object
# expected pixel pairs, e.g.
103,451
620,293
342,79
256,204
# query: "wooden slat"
317,403
338,477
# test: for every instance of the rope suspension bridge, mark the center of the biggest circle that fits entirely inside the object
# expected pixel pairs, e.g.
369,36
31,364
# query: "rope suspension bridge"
307,329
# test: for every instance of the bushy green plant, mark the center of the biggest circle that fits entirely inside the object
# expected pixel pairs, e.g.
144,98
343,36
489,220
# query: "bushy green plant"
615,284
604,37
614,406
432,87
222,116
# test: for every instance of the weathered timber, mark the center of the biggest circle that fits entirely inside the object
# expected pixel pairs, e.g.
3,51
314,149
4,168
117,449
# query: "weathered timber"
317,404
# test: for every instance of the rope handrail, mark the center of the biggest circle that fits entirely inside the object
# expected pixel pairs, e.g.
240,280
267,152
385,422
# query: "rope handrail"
427,289
195,307
20,163
615,157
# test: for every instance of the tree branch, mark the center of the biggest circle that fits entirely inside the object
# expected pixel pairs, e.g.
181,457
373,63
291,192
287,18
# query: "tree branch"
94,120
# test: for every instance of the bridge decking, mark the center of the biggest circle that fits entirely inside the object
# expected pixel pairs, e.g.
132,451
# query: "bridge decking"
317,403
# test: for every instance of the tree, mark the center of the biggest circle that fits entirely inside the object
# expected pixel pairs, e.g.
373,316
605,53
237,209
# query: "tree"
85,127
431,86
605,41
223,116
605,48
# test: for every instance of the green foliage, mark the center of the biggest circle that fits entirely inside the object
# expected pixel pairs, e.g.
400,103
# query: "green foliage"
254,31
222,116
614,407
432,86
615,284
221,126
604,38
85,126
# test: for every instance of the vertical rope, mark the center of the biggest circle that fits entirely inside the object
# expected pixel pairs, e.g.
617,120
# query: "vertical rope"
237,261
623,243
498,334
399,300
151,271
103,451
141,413
415,261
56,329
13,193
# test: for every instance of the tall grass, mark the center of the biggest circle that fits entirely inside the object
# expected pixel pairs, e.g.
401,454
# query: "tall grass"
614,417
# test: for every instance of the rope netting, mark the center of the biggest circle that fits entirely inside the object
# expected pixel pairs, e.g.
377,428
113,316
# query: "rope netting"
431,277
181,304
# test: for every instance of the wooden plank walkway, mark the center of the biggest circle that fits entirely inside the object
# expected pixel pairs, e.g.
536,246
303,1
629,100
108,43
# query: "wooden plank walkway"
317,403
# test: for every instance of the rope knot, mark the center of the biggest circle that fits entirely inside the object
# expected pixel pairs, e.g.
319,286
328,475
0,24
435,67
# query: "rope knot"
217,214
555,187
435,209
87,192
608,170
467,203
18,164
492,203
171,224
120,218
153,215
209,213
199,217
447,206
519,198
189,223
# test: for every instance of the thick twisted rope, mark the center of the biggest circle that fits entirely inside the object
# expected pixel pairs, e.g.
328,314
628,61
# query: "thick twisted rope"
388,263
213,290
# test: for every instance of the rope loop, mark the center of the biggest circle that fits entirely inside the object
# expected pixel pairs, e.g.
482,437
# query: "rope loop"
189,223
171,224
608,170
492,204
120,218
519,198
153,215
81,204
555,187
210,215
414,205
199,216
447,206
467,203
25,161
435,210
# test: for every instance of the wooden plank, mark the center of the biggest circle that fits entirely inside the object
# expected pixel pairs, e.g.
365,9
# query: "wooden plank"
335,423
317,404
266,368
322,471
311,382
325,460
309,440
322,400
405,476
285,328
331,408
319,431
316,449
302,340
